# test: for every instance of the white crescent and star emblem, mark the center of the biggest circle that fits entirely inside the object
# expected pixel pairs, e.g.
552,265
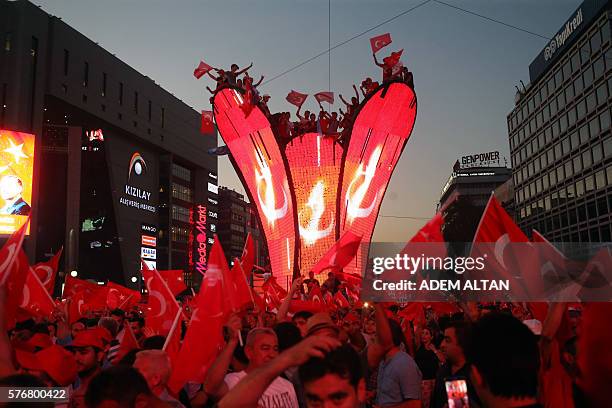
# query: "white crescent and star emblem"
159,297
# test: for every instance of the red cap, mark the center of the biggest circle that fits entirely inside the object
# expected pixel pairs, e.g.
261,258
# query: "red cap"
87,338
58,363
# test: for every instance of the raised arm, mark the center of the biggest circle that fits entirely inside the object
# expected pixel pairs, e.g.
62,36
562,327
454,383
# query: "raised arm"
363,90
259,82
345,102
377,351
214,384
376,61
242,71
210,90
356,93
298,113
213,77
284,307
248,391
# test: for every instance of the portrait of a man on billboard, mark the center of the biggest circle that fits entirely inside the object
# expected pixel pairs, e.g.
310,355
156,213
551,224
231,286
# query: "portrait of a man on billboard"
11,190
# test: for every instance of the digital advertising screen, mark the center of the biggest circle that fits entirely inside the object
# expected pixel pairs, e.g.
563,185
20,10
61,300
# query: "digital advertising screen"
257,157
380,132
315,163
16,169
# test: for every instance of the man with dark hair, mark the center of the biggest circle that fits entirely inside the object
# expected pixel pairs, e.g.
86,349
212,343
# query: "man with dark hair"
399,378
137,324
88,350
120,386
456,339
505,361
118,315
300,318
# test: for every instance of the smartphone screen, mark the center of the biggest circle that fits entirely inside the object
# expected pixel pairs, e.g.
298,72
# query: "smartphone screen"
456,392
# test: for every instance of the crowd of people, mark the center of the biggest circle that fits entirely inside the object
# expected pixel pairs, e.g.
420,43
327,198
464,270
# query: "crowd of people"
361,355
337,125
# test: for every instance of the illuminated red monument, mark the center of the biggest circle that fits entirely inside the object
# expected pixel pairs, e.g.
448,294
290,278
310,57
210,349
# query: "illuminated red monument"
312,190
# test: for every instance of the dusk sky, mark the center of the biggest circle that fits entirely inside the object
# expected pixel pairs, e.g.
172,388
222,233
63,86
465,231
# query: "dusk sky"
465,67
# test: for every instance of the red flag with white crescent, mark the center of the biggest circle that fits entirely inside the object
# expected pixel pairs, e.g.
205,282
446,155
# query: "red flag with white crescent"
47,271
380,41
201,70
10,251
35,298
74,285
15,283
162,307
296,98
325,97
175,278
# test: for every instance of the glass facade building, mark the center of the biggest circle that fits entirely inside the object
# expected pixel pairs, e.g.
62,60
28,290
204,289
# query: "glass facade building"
559,133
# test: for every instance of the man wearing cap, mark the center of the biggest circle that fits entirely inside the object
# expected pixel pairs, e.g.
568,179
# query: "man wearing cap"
88,349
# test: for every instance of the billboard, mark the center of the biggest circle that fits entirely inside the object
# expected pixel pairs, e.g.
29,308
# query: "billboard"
315,164
379,135
16,169
256,154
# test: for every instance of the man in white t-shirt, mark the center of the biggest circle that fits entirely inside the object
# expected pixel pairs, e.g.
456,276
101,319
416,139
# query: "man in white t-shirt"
261,346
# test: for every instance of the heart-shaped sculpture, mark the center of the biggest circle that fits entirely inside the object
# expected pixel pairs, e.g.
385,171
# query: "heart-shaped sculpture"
311,190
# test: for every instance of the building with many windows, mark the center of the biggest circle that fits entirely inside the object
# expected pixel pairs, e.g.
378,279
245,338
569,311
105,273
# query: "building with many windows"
121,172
559,133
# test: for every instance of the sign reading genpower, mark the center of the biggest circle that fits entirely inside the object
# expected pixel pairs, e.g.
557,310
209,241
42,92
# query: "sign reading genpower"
565,36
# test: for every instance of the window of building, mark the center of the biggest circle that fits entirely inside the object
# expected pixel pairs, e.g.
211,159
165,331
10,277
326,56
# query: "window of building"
589,184
575,140
120,93
565,145
558,78
569,171
586,159
149,111
578,85
591,101
560,174
604,121
182,192
605,32
599,68
571,117
66,61
104,84
563,123
584,134
607,147
85,74
163,117
579,188
595,41
575,60
551,86
594,127
577,164
136,102
587,75
585,52
567,70
181,172
602,94
597,153
600,180
553,178
558,153
180,213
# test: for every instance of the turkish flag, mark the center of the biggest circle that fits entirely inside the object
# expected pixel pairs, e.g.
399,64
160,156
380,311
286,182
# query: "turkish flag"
175,279
74,285
10,251
121,297
204,337
306,305
201,69
273,292
18,273
340,300
208,124
219,269
239,286
247,259
380,41
507,260
172,345
162,306
296,98
554,266
77,306
35,298
258,300
596,280
325,97
350,278
47,271
340,254
127,343
315,295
